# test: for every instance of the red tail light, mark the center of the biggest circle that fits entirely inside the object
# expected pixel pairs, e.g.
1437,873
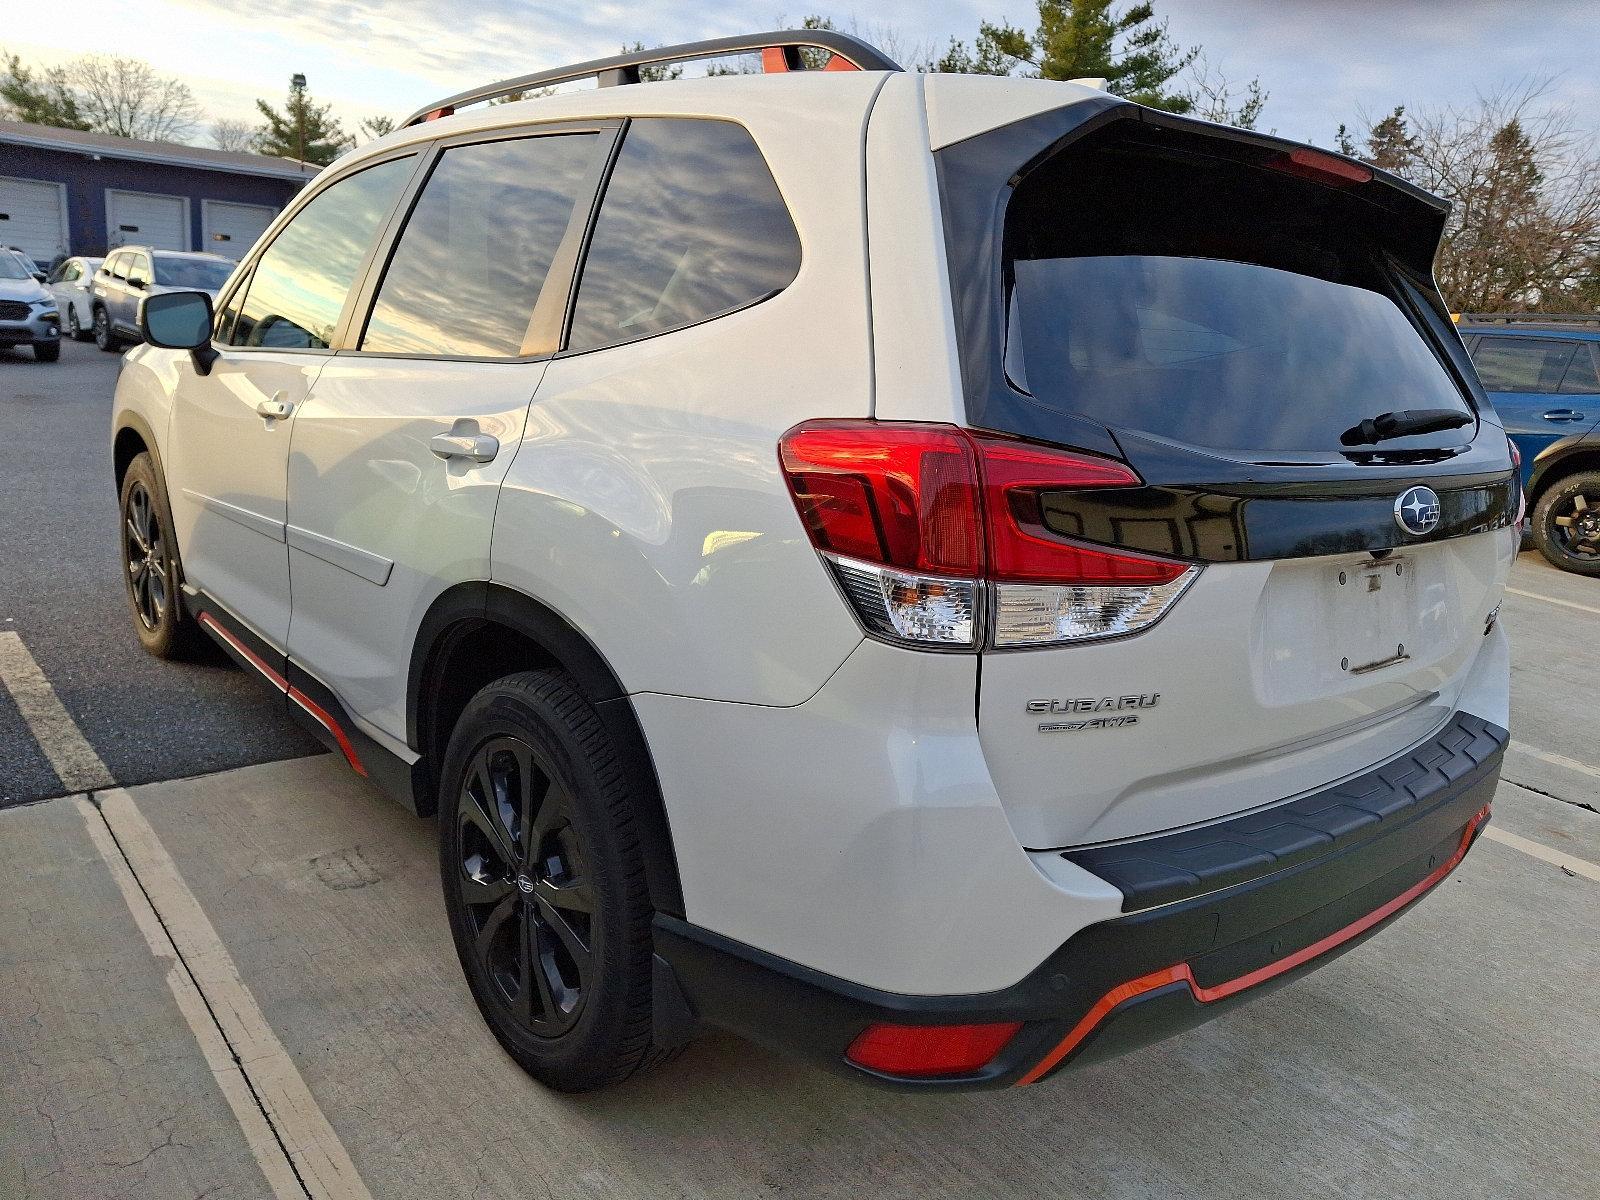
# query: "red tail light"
1321,167
920,1051
912,517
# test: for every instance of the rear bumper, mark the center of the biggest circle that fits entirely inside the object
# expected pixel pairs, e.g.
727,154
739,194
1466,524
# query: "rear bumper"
1128,981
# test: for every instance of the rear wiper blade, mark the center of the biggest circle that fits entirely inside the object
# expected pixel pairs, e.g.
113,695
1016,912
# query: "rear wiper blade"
1403,424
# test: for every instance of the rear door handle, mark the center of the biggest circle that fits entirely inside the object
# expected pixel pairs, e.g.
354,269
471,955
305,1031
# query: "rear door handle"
1563,414
475,447
275,409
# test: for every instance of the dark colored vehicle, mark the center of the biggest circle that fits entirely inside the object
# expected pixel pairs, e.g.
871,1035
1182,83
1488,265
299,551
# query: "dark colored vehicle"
1543,375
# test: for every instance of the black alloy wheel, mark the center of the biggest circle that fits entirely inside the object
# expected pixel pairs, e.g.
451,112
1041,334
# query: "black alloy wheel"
1566,523
103,337
144,555
524,886
150,565
74,330
544,882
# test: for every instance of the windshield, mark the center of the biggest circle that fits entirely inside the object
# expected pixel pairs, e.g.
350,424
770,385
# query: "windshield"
1208,352
12,267
201,273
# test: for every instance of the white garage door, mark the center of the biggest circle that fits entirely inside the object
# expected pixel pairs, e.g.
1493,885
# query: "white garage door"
33,215
140,219
231,229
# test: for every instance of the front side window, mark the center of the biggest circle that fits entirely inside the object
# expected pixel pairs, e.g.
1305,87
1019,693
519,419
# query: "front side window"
1522,364
692,226
475,252
300,283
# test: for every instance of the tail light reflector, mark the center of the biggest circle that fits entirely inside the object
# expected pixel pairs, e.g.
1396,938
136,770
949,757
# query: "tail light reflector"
921,1051
933,530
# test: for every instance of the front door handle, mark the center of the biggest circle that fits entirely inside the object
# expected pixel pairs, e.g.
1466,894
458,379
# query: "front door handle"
1563,414
275,409
475,447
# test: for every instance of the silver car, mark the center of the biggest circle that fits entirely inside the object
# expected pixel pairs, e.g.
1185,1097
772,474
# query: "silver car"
28,313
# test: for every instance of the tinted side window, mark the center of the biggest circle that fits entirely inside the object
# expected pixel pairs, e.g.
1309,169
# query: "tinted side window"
477,247
1521,364
1581,378
301,281
692,226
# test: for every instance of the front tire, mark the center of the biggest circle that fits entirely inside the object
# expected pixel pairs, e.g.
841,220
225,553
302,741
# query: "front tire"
1566,523
103,337
544,883
47,351
150,566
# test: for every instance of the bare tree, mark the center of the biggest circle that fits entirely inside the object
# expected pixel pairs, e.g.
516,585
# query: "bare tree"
127,98
1213,98
1524,185
230,134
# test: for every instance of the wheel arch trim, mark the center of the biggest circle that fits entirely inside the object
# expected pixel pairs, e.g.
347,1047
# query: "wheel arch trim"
471,606
1578,452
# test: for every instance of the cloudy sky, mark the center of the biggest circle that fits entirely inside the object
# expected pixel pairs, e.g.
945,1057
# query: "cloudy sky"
1322,61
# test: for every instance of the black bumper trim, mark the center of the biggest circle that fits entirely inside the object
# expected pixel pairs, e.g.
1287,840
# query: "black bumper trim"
1176,866
1264,931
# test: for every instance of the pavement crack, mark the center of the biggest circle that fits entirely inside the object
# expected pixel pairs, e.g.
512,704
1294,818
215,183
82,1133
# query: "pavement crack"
1539,791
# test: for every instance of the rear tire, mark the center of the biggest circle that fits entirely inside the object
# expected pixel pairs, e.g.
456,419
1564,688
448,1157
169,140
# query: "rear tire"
75,329
47,351
150,571
1566,523
544,883
103,337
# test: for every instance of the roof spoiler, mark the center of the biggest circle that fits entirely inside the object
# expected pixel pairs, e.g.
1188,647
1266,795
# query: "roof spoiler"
780,52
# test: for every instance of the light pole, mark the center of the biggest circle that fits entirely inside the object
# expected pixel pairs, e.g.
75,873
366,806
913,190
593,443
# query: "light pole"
297,88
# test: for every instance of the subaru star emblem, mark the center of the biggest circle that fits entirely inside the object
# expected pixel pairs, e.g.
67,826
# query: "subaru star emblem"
1416,510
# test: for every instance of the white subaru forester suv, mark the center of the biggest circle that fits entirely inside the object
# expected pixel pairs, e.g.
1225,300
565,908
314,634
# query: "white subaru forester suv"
952,576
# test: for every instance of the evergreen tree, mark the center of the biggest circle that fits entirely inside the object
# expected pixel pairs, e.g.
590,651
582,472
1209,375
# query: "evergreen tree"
1391,146
1077,39
304,130
46,99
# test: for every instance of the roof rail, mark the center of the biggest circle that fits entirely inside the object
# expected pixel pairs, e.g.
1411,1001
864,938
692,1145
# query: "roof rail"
780,51
1528,318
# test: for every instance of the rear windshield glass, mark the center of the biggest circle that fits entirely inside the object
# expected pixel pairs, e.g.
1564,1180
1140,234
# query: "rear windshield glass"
1159,289
1214,353
198,273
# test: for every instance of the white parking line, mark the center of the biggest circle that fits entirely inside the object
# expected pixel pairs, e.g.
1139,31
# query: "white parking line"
1555,760
235,1087
58,735
1578,866
296,1124
1588,608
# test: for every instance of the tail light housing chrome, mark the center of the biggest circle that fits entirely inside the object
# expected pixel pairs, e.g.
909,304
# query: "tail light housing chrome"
937,537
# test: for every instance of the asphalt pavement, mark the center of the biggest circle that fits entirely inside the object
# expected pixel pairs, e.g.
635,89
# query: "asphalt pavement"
60,589
225,971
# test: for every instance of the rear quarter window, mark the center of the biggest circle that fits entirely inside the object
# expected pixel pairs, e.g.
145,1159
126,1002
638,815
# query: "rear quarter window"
692,227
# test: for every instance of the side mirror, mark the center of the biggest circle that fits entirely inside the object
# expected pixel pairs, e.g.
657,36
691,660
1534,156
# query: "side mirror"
41,277
180,321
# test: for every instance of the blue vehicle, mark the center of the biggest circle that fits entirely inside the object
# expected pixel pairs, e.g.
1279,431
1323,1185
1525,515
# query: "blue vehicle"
1542,373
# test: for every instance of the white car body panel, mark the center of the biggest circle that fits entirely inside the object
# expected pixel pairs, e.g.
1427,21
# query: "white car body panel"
378,526
74,296
1254,707
963,106
865,838
227,470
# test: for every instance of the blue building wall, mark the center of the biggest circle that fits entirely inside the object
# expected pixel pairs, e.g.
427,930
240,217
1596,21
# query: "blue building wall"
88,179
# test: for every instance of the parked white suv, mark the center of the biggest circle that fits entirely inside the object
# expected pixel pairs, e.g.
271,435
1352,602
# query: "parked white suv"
950,575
